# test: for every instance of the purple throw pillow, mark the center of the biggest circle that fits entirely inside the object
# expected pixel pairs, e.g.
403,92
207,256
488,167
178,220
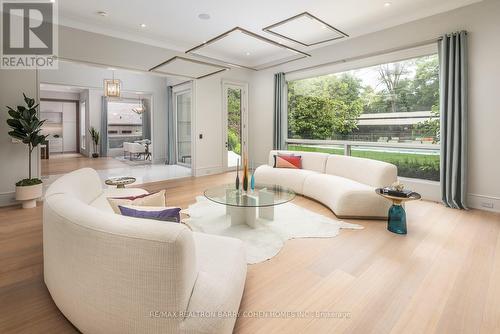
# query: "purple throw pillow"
167,214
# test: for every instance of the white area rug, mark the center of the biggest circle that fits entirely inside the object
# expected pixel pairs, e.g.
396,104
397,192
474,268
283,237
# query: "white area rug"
265,241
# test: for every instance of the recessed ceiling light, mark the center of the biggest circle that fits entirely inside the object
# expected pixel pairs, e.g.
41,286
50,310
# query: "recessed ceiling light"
247,53
204,16
102,13
143,25
387,4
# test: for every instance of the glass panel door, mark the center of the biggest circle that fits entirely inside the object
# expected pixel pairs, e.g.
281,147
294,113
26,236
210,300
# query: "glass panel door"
235,119
83,127
233,126
183,131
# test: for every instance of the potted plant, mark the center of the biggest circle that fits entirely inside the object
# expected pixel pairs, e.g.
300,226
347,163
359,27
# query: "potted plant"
94,134
26,128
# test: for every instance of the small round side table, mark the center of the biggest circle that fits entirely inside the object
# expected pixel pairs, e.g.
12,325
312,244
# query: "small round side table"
120,182
396,218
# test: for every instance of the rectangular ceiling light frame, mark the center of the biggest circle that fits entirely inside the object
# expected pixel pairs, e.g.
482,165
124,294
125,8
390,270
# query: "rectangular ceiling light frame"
307,14
251,34
221,67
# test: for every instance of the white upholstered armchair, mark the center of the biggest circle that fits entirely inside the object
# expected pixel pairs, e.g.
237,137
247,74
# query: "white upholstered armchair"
109,273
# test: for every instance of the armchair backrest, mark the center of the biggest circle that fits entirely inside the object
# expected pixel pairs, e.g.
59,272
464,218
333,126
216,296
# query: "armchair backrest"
105,271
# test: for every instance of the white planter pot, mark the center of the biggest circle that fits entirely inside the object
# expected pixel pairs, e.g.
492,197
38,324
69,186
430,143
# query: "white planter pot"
29,194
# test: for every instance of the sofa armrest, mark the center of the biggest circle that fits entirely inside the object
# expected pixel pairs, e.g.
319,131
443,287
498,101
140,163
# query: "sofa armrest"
105,273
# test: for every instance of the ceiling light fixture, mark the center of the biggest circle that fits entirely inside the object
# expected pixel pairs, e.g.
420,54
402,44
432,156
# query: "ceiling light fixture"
141,109
204,16
112,87
247,53
143,25
387,4
102,13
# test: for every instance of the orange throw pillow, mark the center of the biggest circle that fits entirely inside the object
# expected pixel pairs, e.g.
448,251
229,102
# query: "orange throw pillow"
288,161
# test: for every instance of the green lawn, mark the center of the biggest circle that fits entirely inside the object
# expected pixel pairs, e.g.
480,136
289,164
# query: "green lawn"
421,166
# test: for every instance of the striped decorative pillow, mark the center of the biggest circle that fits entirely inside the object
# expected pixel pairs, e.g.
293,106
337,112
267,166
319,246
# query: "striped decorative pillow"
288,161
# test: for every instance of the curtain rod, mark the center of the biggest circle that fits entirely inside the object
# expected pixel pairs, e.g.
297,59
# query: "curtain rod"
367,55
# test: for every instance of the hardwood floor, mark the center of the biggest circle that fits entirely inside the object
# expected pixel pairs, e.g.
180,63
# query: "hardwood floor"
65,163
443,277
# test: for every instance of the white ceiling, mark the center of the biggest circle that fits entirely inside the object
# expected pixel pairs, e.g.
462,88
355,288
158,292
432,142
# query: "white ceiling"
175,24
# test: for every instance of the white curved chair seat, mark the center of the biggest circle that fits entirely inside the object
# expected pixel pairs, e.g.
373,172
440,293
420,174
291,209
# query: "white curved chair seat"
109,273
344,184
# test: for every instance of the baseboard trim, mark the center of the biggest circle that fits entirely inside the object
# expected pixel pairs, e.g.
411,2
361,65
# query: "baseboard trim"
208,171
8,199
484,202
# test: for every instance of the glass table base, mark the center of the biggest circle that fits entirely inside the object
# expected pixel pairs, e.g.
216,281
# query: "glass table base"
248,215
396,221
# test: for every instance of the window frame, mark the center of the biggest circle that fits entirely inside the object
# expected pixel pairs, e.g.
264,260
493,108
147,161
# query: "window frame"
359,63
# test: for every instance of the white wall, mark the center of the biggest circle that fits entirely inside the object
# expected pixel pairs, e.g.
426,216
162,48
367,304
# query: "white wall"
92,77
94,48
14,157
47,94
482,21
208,106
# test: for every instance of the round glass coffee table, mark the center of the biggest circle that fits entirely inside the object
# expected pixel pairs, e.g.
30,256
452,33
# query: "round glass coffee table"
242,205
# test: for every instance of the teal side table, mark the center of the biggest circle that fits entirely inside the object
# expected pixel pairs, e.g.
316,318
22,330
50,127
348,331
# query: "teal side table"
396,217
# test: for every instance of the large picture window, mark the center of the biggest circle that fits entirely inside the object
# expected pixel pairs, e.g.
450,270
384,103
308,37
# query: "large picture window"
387,112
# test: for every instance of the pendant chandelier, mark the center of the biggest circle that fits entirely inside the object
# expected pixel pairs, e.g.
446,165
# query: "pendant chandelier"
112,87
140,109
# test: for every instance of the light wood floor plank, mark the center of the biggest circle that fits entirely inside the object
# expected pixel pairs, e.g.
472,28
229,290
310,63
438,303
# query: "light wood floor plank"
443,277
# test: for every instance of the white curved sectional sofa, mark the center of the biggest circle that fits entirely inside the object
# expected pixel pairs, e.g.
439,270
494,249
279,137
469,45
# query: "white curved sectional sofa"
344,184
109,273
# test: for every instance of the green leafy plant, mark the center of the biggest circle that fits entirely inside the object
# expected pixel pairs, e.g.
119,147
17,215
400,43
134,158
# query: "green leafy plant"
26,127
94,134
233,141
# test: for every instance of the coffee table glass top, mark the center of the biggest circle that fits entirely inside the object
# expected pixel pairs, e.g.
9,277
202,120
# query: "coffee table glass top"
261,196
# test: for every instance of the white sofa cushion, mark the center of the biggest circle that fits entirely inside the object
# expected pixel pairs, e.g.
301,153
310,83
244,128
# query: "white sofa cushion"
285,177
153,199
313,161
345,197
367,171
221,273
83,184
102,202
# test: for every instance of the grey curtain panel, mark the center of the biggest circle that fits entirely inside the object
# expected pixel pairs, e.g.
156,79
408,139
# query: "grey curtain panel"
170,128
453,108
279,119
146,120
104,127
